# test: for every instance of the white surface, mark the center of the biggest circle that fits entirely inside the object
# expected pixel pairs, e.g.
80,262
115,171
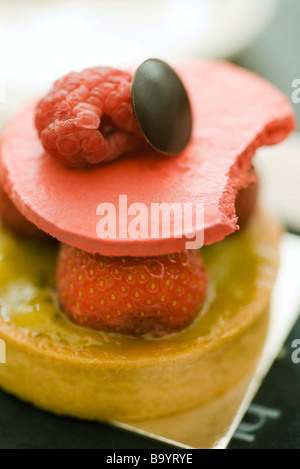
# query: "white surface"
279,169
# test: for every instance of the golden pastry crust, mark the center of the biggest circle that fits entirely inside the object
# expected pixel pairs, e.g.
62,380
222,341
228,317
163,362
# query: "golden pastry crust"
105,386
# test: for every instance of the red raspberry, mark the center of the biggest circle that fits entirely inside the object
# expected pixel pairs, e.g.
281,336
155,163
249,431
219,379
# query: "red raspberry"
15,220
87,117
155,295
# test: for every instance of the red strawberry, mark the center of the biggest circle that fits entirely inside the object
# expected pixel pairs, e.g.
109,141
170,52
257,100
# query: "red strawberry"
15,220
130,295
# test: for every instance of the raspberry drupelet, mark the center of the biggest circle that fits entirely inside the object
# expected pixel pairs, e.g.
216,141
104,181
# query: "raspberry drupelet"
152,295
87,117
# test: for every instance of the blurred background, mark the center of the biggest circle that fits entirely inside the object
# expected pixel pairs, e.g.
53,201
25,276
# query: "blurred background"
44,39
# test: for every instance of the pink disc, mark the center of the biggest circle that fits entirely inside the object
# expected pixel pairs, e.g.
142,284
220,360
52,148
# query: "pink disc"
234,113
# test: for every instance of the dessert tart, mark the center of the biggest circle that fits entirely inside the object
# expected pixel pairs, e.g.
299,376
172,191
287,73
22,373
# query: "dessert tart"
131,328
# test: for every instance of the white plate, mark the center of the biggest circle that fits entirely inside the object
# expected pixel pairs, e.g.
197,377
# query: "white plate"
279,169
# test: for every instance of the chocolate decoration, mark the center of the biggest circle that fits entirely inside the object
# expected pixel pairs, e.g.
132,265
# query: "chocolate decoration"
161,106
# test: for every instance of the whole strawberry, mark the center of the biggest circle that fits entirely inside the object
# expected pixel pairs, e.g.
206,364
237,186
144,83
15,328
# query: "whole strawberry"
155,295
87,117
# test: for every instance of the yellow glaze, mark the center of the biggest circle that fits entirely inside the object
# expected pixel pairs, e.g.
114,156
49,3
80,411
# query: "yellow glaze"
76,371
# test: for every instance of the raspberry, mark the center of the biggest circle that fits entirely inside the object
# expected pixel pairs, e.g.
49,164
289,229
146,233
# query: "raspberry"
87,117
155,295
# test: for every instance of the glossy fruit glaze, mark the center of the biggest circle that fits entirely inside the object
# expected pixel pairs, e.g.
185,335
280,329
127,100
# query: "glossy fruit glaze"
28,298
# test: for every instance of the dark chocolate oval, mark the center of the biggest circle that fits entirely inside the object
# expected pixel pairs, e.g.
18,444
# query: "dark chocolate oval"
161,106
